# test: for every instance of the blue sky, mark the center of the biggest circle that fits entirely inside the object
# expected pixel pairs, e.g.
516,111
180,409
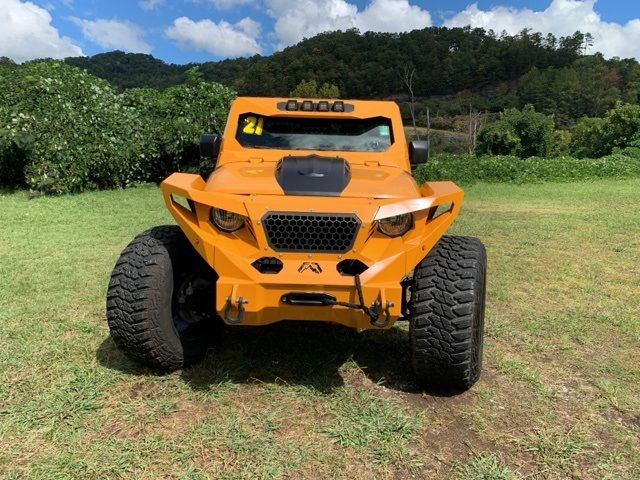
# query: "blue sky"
182,31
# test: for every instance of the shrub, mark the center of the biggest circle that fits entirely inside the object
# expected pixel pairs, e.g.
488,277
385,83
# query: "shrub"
63,130
174,120
499,138
69,128
561,143
588,138
183,113
467,169
622,127
15,146
524,133
596,137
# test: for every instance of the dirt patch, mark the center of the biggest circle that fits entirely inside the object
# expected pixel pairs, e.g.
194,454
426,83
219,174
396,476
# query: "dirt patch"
446,438
144,389
629,420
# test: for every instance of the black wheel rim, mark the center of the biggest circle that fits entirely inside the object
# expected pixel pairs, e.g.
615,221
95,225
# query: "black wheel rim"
193,302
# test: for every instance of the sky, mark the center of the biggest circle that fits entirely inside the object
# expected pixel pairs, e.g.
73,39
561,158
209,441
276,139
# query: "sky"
183,31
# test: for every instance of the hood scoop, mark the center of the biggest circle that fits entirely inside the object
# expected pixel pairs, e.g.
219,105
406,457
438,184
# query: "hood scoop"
313,175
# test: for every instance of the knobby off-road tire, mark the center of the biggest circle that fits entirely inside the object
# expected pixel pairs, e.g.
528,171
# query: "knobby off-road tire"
447,313
150,316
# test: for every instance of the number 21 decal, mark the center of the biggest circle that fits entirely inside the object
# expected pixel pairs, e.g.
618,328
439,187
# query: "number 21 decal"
253,126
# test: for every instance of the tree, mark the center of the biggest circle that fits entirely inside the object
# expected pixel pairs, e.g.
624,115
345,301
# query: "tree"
408,76
476,123
6,62
309,89
362,65
587,43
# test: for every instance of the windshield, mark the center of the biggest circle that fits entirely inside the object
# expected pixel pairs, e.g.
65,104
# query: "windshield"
296,133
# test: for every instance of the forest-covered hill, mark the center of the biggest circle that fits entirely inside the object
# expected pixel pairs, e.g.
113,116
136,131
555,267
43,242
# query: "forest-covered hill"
361,65
455,69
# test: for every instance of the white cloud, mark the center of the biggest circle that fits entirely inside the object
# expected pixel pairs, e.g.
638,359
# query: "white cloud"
562,18
229,4
249,26
310,17
150,4
27,33
392,16
121,35
221,39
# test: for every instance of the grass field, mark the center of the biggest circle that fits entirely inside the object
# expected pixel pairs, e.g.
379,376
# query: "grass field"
559,396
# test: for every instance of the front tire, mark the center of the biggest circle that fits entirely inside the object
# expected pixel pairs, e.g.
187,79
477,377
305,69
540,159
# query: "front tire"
161,301
447,313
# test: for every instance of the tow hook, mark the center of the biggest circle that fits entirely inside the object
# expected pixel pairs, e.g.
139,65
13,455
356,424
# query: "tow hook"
239,318
374,313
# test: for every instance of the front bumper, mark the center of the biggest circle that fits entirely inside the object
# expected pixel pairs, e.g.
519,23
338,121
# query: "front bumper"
246,296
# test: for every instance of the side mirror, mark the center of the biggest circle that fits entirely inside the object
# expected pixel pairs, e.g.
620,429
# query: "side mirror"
418,152
210,146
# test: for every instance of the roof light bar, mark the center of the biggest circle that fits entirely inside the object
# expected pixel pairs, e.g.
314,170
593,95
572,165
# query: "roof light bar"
338,106
323,106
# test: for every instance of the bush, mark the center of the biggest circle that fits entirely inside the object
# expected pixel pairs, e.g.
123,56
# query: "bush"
15,146
561,143
499,138
596,137
174,120
185,112
523,133
467,169
70,129
63,130
622,127
588,138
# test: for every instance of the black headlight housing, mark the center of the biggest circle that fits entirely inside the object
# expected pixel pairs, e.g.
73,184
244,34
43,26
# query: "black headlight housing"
226,221
396,226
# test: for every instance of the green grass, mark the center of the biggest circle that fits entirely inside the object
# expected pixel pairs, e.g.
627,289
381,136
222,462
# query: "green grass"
483,467
559,396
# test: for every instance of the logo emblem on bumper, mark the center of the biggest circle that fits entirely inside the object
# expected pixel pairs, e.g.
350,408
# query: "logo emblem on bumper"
311,266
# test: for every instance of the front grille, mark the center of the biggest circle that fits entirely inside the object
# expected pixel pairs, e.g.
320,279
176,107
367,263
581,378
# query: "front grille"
310,232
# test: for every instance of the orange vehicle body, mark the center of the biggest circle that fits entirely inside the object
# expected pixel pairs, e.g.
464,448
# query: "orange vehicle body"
244,183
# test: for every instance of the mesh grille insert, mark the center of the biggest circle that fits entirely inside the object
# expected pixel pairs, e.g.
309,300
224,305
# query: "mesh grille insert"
315,232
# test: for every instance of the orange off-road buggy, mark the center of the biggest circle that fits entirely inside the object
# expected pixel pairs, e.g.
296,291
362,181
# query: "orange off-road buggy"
310,214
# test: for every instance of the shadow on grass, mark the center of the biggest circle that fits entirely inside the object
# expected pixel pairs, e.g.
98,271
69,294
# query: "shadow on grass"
4,190
306,354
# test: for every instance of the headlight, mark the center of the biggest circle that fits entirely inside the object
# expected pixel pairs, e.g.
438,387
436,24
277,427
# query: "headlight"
226,221
396,226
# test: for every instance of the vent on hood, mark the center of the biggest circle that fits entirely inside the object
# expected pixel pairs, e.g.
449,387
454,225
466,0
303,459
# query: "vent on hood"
313,175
